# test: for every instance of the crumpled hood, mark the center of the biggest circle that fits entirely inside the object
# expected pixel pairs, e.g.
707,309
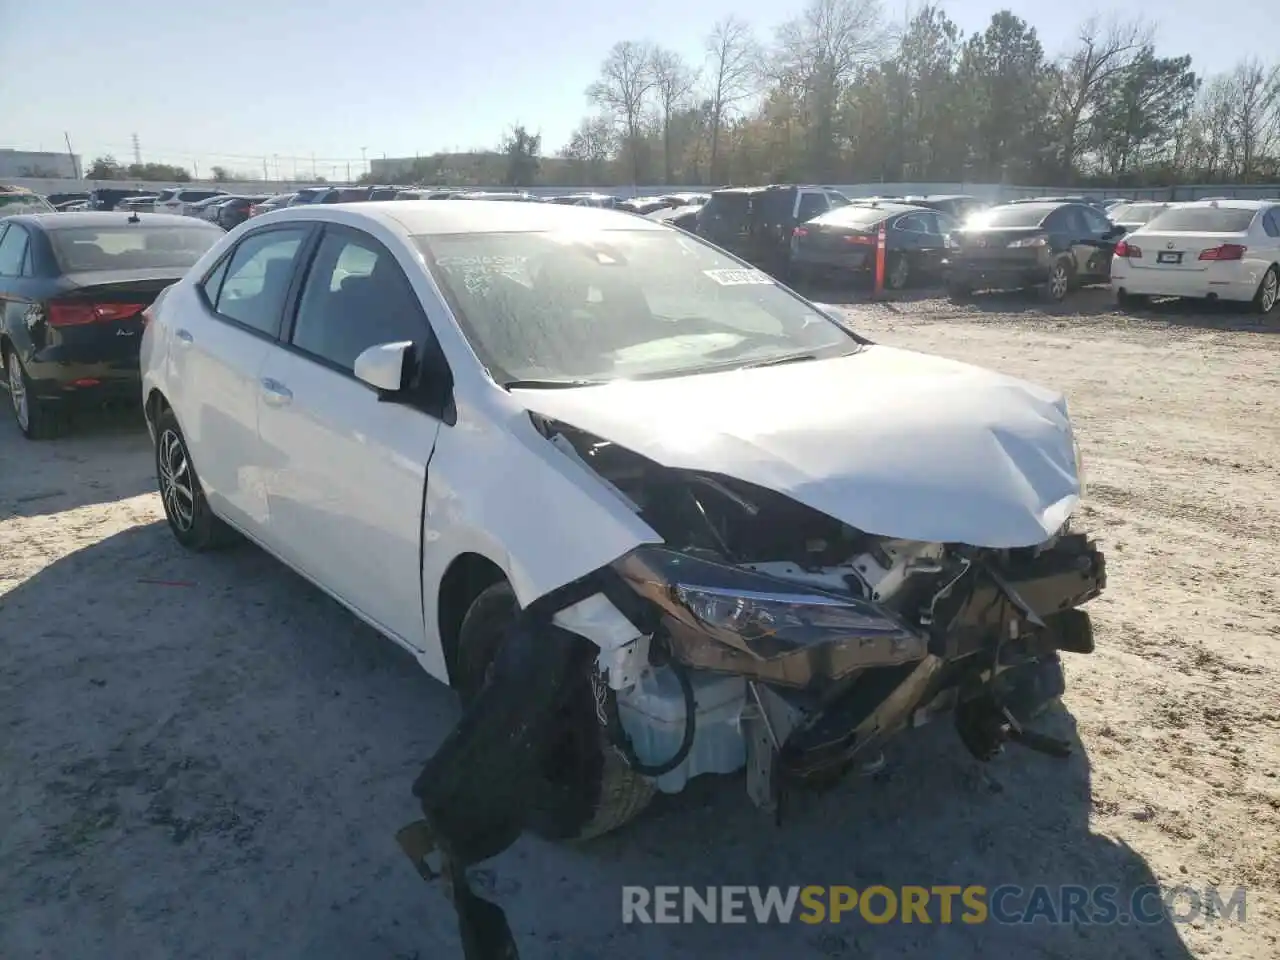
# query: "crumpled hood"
889,441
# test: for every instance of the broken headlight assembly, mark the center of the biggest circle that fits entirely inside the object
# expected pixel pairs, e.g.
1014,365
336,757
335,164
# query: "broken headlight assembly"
724,618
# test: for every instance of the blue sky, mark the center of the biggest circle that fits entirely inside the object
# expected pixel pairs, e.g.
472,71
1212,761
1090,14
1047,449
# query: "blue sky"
242,81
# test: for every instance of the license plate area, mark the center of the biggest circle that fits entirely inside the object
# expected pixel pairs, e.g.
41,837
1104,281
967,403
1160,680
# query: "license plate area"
1169,256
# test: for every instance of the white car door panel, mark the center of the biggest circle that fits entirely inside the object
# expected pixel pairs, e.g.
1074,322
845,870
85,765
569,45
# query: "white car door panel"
345,470
219,344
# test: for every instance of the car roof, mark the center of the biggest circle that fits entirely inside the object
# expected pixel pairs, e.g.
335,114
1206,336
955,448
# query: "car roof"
106,218
477,217
1230,204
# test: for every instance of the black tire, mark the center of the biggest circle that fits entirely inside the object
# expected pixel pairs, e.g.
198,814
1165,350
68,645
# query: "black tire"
36,419
595,790
1268,295
1061,279
897,271
192,521
1131,301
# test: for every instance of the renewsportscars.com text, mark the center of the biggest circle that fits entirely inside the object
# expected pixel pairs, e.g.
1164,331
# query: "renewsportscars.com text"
943,904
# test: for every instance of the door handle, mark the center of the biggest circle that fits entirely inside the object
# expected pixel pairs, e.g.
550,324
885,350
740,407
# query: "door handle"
275,393
184,336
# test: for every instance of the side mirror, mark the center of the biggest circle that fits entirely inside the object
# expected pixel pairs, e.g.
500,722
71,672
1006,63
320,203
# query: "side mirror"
387,367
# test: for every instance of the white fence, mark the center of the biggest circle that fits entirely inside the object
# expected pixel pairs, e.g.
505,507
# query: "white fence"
985,191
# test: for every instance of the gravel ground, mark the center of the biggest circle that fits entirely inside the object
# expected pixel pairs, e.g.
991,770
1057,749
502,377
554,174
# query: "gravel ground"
204,757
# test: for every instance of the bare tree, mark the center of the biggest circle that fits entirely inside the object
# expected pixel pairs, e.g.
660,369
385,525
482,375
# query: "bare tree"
1252,94
819,55
591,145
626,79
1103,51
733,66
672,81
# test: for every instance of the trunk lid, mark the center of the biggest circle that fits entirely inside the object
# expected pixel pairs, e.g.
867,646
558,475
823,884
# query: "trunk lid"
97,316
1177,252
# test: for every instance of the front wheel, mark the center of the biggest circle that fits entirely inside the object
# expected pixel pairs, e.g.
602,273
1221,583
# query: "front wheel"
594,789
185,507
1264,301
1055,289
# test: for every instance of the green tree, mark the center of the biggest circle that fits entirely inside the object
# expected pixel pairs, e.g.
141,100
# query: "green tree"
523,151
105,167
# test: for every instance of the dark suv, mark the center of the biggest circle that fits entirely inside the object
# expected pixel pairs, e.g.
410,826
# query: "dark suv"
1050,245
756,223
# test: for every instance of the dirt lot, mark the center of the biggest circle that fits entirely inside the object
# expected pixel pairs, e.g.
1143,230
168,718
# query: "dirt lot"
203,757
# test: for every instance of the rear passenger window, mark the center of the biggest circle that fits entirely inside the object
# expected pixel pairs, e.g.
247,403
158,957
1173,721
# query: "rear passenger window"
13,248
811,204
355,296
251,290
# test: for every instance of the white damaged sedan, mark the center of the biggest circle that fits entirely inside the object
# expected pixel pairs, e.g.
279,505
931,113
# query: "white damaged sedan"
650,512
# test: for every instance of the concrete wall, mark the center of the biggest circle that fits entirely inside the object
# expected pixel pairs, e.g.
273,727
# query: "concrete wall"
24,163
987,191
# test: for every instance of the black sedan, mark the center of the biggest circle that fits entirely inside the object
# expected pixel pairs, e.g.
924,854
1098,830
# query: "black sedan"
73,287
1052,246
231,213
843,241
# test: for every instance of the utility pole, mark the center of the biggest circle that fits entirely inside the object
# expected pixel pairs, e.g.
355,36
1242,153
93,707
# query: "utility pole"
265,174
75,167
313,165
137,151
364,164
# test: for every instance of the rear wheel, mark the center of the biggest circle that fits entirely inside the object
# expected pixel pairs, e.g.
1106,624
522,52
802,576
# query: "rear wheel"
1264,301
185,507
1131,301
35,417
594,789
897,271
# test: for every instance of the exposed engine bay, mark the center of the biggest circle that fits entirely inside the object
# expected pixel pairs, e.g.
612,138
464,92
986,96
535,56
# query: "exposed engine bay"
761,634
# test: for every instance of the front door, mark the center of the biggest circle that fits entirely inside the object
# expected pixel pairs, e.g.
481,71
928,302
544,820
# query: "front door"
346,471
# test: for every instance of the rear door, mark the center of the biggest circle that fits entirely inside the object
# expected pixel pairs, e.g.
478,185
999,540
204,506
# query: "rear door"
1099,243
220,342
347,471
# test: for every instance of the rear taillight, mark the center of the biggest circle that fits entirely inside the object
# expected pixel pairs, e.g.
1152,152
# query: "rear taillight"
71,313
1226,251
1128,250
862,239
799,232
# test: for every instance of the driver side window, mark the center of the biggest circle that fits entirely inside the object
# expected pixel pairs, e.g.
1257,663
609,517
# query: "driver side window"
355,297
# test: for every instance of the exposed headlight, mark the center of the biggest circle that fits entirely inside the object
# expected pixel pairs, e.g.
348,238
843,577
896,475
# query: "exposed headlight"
1029,242
726,618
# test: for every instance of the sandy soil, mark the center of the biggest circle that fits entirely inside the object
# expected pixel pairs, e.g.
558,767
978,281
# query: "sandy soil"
203,757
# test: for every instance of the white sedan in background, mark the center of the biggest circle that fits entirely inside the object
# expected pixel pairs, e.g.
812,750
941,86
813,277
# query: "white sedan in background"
1208,249
463,420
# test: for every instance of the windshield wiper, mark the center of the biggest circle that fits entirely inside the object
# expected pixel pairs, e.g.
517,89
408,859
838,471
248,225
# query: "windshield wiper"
549,384
778,361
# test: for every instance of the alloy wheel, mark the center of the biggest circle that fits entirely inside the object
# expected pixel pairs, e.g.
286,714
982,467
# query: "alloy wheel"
18,392
898,275
1270,290
1058,282
176,489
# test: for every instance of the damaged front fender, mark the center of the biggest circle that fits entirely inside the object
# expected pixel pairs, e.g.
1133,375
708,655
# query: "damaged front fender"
479,787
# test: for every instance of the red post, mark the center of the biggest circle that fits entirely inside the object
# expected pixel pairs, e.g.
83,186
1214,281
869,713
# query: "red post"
880,246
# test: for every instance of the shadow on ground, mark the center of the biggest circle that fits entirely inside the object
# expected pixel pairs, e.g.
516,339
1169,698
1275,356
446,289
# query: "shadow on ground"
102,456
218,769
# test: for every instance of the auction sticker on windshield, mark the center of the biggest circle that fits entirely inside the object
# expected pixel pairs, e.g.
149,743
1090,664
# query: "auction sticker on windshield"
733,278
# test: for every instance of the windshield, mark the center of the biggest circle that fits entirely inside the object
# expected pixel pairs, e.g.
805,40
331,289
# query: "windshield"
11,203
1134,212
130,246
618,304
1204,219
1017,215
